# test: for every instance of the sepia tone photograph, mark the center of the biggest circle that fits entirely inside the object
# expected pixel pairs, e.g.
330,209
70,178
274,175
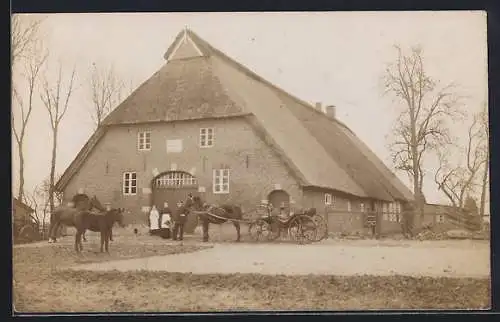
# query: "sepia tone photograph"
246,162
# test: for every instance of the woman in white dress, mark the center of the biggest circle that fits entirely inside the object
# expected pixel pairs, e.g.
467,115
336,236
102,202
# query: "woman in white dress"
154,221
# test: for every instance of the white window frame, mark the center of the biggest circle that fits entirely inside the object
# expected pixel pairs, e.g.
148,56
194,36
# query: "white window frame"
329,199
384,207
397,207
362,207
129,183
349,206
205,142
142,141
218,181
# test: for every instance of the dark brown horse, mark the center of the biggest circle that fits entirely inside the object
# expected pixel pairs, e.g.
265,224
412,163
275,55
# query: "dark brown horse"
102,223
64,215
223,213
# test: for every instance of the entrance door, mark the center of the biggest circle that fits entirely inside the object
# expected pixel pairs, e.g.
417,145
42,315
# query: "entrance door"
172,187
278,198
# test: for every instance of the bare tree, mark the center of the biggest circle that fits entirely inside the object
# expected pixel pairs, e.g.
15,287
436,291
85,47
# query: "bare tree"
106,90
39,201
56,101
24,31
25,103
483,117
460,180
421,125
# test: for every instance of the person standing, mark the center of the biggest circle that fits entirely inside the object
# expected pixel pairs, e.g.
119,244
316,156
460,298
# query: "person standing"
166,221
180,219
154,221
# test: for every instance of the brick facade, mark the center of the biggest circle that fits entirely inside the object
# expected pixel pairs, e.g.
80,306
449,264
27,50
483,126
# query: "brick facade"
254,167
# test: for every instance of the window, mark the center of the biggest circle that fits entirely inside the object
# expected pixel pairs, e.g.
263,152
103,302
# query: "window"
384,207
129,183
221,181
393,217
397,207
349,206
175,179
206,137
440,219
144,141
362,207
385,217
328,199
391,207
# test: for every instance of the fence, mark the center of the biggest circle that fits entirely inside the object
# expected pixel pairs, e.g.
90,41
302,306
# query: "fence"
377,223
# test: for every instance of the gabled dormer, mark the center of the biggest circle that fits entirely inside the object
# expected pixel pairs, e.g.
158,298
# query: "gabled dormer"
183,47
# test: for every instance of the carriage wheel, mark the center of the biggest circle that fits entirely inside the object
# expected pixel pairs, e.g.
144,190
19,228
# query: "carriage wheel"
27,233
259,230
322,227
302,229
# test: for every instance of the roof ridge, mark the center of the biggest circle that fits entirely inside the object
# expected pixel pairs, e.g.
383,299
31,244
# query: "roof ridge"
253,74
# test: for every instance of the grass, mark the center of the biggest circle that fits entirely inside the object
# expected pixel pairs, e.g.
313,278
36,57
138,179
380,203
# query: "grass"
42,284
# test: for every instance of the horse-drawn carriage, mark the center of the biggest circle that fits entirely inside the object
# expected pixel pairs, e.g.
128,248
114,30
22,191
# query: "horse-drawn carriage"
303,226
264,225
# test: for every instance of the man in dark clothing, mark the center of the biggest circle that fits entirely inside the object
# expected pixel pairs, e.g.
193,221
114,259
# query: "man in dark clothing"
180,218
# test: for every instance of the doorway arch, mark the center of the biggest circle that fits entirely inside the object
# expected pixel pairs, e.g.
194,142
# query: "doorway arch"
171,187
277,198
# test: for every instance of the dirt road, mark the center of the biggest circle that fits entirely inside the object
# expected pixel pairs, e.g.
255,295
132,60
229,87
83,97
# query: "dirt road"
446,258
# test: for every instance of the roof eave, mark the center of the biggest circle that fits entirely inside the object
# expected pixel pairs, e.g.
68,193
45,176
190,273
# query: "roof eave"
75,165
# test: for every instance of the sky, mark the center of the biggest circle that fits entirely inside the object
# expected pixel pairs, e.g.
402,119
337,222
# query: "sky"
337,58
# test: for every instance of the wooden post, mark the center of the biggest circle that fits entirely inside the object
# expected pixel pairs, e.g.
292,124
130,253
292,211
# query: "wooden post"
326,221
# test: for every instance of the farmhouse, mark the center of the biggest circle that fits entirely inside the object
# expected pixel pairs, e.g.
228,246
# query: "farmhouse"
206,124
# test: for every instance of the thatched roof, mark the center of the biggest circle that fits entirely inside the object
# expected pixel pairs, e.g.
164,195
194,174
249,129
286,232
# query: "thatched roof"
200,81
20,204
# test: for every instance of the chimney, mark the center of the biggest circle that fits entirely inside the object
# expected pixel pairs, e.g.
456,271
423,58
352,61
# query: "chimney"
318,106
330,111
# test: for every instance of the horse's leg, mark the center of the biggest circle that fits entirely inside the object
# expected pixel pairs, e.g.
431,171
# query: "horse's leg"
111,234
83,236
106,242
205,224
78,241
54,223
103,237
237,226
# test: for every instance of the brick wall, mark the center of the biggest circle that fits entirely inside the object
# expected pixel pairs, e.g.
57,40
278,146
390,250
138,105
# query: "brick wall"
340,218
254,166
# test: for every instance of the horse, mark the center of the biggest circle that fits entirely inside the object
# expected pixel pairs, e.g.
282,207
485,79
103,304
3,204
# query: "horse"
224,213
65,215
84,220
96,204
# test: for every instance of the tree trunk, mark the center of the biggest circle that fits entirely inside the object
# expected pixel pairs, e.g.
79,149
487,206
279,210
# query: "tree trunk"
53,169
20,194
482,204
